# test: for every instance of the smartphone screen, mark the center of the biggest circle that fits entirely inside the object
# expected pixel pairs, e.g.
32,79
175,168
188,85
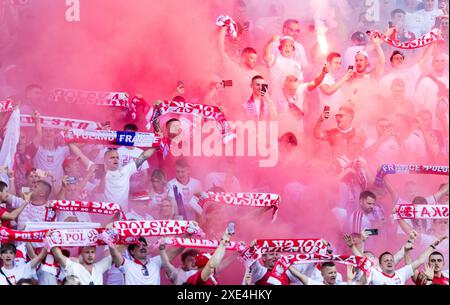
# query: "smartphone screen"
372,231
264,88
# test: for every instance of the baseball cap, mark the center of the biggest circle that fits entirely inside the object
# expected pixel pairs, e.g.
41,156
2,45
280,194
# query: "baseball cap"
364,53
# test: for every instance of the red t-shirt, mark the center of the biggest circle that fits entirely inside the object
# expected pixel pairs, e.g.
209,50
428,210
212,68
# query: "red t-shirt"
437,280
5,223
196,279
263,281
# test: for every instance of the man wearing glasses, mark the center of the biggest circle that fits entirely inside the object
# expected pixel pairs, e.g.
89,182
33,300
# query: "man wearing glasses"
337,137
291,27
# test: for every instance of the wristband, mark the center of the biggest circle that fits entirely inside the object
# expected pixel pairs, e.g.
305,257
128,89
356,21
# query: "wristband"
433,246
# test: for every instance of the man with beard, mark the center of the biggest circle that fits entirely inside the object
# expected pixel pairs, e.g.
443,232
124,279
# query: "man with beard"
87,271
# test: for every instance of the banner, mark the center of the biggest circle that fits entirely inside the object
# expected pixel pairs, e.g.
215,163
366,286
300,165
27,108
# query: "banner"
74,238
421,211
389,169
110,137
104,208
203,243
98,98
58,123
423,41
155,228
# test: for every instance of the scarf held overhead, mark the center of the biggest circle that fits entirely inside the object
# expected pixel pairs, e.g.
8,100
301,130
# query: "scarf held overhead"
58,123
155,228
203,243
388,169
420,42
421,211
80,97
120,138
104,208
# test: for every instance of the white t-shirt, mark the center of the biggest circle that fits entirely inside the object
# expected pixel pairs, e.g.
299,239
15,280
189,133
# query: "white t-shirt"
186,191
86,278
51,160
299,53
218,179
415,145
179,276
398,278
409,74
136,274
127,155
334,100
427,21
31,213
387,152
17,273
280,67
117,185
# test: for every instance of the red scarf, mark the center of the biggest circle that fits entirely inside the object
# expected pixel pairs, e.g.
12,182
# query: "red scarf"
421,211
423,41
305,246
104,208
127,229
79,97
6,106
74,238
203,243
25,236
264,200
58,123
283,264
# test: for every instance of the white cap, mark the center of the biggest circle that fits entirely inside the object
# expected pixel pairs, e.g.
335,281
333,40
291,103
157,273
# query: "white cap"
362,52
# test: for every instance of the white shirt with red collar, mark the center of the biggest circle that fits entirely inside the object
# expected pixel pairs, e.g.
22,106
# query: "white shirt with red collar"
399,277
137,273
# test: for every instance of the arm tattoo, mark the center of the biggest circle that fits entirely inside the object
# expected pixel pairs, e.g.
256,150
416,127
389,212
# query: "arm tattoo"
140,160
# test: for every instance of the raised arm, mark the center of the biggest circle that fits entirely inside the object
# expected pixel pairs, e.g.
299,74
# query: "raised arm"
441,193
391,190
59,256
379,69
116,255
77,152
319,79
318,132
267,51
38,258
426,55
170,269
424,256
37,123
216,259
16,212
144,156
303,278
330,89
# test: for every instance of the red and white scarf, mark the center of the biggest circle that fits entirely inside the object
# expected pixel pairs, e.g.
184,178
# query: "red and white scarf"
283,264
229,23
104,208
74,238
98,98
388,169
7,234
58,123
421,211
305,246
420,42
111,137
264,200
155,228
6,106
203,243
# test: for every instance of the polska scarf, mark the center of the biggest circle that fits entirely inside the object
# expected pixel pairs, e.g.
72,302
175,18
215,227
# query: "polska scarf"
262,246
388,169
203,243
58,123
104,208
264,200
420,42
80,97
283,264
155,228
421,211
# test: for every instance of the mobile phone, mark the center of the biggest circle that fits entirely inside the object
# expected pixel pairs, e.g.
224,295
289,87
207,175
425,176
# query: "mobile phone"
180,83
227,83
326,111
350,67
390,24
372,231
25,189
230,227
71,180
264,88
